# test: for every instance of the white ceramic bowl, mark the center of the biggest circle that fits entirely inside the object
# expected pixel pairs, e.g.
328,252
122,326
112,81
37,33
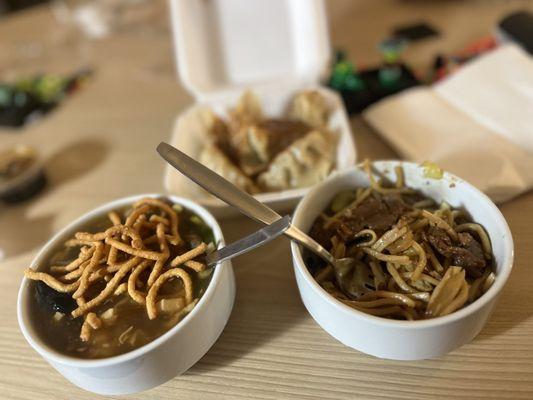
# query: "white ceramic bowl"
403,340
158,361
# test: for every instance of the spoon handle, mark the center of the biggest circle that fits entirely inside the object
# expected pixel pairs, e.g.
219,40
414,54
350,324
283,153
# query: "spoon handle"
232,195
217,185
250,242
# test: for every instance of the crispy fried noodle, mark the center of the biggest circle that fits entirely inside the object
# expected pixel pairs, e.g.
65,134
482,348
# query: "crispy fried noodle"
130,258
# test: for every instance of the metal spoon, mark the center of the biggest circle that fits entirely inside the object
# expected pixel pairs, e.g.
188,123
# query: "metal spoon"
246,203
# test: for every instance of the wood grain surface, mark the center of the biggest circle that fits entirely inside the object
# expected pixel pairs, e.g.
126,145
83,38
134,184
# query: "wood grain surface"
99,146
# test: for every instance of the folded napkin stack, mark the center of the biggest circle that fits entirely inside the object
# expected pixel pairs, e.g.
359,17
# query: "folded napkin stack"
477,123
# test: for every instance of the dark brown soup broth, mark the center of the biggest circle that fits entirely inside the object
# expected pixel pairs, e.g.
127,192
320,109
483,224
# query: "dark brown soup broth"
129,327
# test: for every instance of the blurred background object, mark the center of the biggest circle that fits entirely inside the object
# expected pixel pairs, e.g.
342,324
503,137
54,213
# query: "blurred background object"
29,98
518,28
97,19
7,6
34,77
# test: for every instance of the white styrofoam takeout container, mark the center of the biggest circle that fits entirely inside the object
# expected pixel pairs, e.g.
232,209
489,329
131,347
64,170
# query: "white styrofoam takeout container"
275,48
392,339
158,361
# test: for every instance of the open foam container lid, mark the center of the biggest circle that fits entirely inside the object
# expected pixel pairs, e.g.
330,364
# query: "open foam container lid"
225,46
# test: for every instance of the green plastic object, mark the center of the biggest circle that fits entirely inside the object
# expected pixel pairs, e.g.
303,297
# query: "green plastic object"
46,88
5,95
391,49
389,75
344,76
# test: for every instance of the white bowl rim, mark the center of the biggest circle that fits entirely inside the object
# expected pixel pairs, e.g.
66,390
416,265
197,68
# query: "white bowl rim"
55,356
494,290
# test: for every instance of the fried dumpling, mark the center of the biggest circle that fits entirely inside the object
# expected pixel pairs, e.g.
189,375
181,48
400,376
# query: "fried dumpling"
247,112
310,107
215,130
282,133
212,157
267,139
304,163
204,123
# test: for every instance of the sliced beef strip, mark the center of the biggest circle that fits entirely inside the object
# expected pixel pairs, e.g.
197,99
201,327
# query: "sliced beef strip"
322,235
439,239
412,198
466,253
378,213
476,257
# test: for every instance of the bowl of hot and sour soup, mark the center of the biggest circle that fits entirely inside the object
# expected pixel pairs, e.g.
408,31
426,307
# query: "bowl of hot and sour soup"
121,300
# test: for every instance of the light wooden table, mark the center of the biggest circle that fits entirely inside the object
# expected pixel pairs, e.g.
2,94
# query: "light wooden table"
100,145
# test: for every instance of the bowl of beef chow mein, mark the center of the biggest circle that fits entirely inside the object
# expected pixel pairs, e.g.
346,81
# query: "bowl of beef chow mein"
430,255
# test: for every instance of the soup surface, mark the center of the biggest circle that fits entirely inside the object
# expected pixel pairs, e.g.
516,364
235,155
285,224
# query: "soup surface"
141,304
411,257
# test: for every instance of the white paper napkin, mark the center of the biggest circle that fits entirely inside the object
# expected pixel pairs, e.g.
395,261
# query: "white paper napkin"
477,124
